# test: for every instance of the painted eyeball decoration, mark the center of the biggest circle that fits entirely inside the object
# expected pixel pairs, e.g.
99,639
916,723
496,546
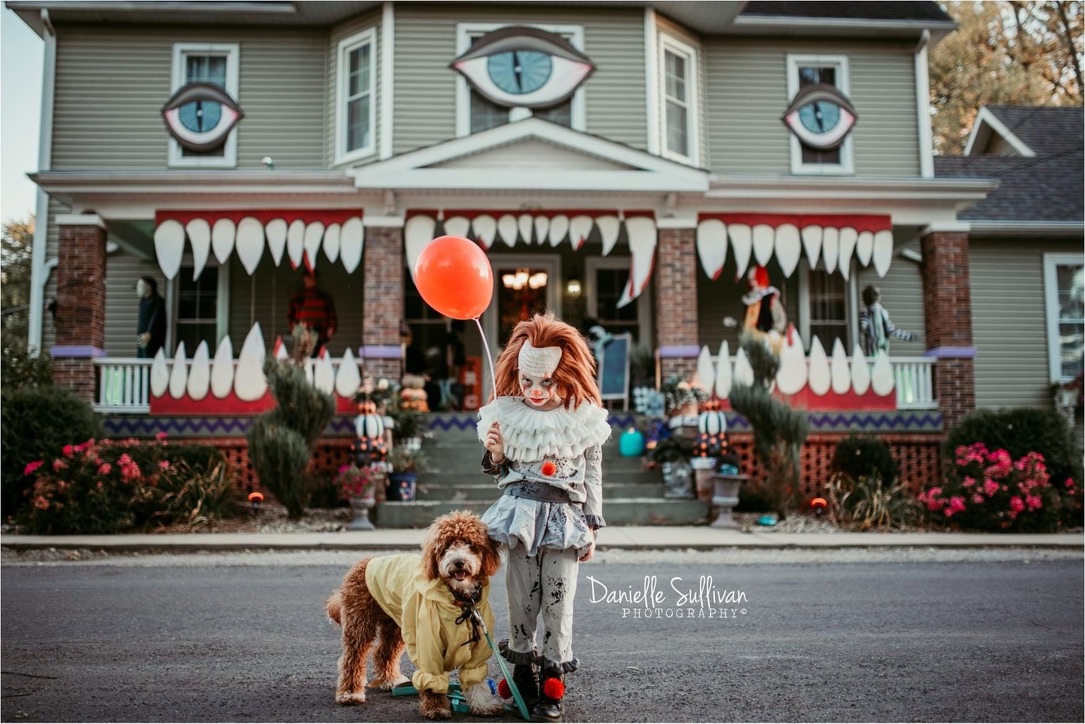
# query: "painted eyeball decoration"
201,115
524,67
820,116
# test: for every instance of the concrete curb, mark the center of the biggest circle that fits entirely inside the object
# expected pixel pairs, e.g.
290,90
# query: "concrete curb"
624,538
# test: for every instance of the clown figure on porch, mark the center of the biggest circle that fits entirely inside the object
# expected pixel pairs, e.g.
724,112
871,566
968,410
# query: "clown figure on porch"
543,434
765,316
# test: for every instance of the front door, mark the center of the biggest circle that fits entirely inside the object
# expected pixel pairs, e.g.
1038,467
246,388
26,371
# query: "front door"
523,285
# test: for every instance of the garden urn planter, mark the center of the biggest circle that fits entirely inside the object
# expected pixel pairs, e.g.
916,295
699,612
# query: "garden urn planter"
361,505
726,498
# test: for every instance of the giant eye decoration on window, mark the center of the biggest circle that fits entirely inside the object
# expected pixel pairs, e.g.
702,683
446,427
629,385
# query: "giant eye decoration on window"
820,116
201,115
524,67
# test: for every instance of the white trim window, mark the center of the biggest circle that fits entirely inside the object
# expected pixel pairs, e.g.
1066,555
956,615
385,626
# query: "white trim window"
678,92
355,97
199,308
216,63
1064,275
826,307
804,70
475,114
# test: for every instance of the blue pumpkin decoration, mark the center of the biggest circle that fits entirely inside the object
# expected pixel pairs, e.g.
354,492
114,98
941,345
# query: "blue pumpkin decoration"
631,443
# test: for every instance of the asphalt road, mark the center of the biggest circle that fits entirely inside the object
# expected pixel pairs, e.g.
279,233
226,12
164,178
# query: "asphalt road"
826,636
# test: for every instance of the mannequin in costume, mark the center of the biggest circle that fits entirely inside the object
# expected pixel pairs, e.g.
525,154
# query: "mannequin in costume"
875,327
765,316
543,435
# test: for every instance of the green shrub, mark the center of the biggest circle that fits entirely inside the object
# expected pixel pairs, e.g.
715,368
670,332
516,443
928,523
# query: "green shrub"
863,456
778,430
280,457
100,487
189,497
752,498
865,502
37,422
19,370
281,442
1020,431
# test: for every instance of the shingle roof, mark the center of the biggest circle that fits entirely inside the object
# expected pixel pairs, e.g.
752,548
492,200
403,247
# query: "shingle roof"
1049,187
850,10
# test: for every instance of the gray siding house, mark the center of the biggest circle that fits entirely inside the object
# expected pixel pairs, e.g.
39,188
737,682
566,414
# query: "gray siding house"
634,161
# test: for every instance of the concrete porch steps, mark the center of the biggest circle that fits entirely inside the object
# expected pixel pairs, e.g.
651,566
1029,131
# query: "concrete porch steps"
454,481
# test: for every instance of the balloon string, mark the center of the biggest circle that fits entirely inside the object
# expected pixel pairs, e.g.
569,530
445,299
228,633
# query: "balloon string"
489,357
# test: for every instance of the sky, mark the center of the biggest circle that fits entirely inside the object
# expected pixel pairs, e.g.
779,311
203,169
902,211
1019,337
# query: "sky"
21,53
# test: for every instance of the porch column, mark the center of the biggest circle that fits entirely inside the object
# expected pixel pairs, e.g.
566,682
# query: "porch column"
676,300
383,299
80,297
947,307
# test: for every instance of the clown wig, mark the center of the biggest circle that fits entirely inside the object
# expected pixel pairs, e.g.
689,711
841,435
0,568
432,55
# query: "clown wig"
574,378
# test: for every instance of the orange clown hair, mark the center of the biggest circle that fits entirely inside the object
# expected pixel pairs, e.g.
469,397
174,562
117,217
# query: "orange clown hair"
574,377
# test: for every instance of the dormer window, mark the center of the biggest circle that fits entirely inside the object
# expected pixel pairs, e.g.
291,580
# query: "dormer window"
215,64
514,74
823,117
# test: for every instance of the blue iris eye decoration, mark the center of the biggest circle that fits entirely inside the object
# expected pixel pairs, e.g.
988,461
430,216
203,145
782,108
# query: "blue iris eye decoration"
524,67
820,116
201,115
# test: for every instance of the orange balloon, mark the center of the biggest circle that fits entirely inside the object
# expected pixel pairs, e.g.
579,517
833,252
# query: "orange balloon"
454,276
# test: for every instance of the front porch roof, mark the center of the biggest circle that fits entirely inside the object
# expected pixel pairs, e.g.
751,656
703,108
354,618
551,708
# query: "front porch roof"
532,154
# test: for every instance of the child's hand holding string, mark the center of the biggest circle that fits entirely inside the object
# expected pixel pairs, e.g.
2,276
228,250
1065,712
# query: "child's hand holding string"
495,443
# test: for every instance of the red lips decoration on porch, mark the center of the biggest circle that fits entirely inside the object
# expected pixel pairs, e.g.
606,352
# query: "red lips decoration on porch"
454,277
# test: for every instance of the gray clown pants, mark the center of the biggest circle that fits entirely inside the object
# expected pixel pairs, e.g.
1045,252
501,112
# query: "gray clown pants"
543,583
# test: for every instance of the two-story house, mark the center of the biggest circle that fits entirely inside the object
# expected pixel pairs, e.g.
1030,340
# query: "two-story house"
625,162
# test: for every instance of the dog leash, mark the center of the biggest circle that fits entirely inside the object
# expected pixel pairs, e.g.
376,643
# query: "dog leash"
520,704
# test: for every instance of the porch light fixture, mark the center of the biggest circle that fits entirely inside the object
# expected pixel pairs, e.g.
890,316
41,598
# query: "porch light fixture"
573,288
524,278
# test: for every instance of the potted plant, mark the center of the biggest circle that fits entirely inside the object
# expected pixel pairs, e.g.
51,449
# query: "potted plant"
682,398
672,453
406,428
357,484
405,464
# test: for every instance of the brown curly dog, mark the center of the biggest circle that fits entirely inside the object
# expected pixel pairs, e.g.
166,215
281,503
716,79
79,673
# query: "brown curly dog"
423,603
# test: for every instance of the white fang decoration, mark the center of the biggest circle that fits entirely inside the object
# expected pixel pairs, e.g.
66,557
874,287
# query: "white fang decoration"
169,246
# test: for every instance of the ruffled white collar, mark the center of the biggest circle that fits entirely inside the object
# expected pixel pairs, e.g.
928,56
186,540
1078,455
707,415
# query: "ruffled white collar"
532,435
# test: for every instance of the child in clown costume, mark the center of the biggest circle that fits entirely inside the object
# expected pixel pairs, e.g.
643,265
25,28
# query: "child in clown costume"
543,434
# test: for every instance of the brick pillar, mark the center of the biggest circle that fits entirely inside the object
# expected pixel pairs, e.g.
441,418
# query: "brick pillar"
80,314
676,302
947,307
383,299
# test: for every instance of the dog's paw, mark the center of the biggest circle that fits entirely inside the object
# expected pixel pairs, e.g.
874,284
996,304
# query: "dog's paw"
388,684
481,701
489,709
350,698
434,706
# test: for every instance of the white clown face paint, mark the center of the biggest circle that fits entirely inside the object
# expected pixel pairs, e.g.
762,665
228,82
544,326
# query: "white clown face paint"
539,391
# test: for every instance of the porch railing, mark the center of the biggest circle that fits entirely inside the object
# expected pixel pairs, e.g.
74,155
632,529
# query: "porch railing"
911,382
124,383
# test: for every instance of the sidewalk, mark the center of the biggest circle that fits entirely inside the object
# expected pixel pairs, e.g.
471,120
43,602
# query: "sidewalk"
618,538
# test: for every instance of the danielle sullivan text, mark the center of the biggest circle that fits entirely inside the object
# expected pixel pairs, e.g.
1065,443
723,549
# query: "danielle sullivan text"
704,595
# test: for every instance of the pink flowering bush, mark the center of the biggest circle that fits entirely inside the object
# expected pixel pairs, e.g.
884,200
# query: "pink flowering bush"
991,491
106,486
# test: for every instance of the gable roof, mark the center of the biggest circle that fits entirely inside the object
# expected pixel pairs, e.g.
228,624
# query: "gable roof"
531,154
850,10
1049,187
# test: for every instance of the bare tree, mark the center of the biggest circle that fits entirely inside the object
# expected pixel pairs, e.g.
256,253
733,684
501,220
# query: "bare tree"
16,246
1004,53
